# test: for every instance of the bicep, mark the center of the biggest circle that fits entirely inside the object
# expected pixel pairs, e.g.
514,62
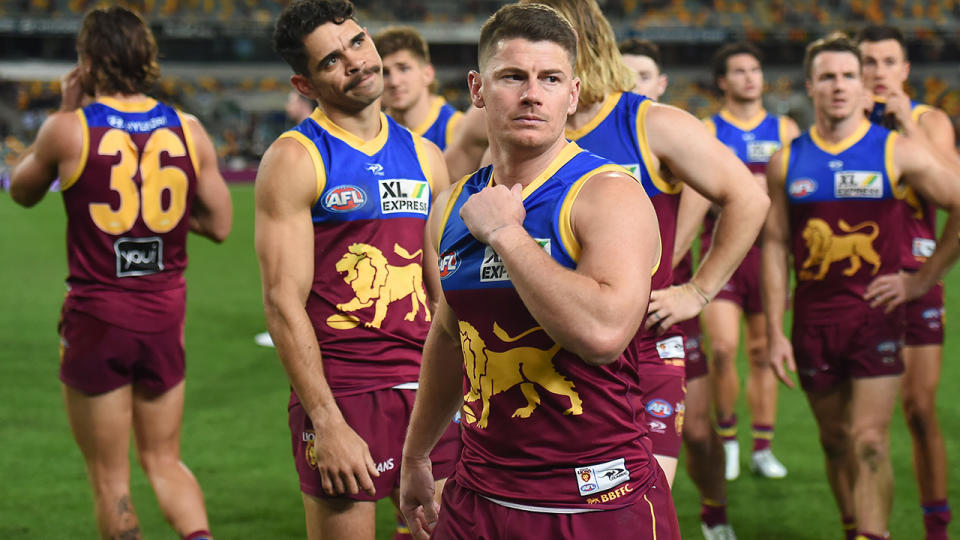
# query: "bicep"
937,127
284,239
616,227
36,171
212,191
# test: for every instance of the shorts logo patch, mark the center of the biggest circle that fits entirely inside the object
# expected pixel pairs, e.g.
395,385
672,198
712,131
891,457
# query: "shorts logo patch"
310,453
657,426
670,348
802,187
659,408
448,263
139,256
402,195
344,199
858,184
601,477
923,247
385,466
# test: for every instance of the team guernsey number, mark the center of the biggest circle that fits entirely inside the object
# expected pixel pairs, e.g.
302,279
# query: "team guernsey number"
147,200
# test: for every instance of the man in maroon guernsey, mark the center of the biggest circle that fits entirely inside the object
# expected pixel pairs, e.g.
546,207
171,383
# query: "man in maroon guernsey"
836,209
136,177
534,312
341,206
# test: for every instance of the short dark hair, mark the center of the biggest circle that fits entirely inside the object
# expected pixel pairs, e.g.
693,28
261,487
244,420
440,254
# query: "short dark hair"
835,42
298,20
731,49
401,38
120,50
534,22
641,47
877,32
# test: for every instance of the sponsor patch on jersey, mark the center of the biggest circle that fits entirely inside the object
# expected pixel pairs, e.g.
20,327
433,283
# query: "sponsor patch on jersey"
887,347
761,150
375,169
401,195
657,426
492,268
601,477
801,187
448,263
923,247
660,408
671,348
858,184
632,168
139,256
343,199
835,164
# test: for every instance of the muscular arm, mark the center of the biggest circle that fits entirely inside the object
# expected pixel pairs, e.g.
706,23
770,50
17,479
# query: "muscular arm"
940,184
441,181
719,176
596,309
465,152
54,153
212,212
774,269
693,209
284,192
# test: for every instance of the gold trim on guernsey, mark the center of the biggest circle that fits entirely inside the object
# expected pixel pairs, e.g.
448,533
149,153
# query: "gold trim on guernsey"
888,160
571,149
564,221
744,125
647,154
454,195
140,105
919,111
421,151
67,183
785,162
314,155
710,125
435,104
452,127
188,136
845,144
369,148
602,114
781,131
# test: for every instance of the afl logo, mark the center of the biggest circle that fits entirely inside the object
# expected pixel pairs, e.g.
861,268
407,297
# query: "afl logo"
802,187
448,263
660,408
345,199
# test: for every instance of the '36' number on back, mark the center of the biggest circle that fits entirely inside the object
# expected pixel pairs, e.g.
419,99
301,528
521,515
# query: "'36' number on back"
155,179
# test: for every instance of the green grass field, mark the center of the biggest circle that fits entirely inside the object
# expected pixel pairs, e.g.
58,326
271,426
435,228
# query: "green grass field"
235,436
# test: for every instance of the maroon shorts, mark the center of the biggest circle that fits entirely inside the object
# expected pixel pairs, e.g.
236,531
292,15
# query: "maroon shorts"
696,360
857,345
663,388
97,357
743,288
925,318
467,515
380,418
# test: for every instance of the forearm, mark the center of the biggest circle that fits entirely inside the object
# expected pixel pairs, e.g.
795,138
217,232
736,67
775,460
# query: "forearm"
25,188
440,393
736,229
296,343
693,209
774,281
584,316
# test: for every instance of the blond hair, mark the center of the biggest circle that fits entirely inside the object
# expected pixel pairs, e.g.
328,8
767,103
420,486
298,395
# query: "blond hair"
599,64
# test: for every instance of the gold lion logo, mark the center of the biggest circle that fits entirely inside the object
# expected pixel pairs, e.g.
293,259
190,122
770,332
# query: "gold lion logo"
491,373
826,248
377,283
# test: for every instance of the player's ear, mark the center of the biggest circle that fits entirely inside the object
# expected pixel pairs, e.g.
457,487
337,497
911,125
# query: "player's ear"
662,84
574,95
304,86
429,73
474,82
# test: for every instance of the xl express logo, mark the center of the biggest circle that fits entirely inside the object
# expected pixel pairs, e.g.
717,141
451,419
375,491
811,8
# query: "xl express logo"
401,195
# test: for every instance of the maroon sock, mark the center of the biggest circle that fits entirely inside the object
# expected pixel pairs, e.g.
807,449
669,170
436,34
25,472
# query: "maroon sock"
762,436
727,429
202,534
936,517
713,513
849,528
